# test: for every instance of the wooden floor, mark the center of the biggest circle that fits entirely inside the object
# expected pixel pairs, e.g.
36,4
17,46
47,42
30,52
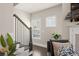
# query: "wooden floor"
39,51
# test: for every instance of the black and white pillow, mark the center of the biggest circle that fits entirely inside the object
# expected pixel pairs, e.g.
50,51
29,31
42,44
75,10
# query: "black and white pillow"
66,51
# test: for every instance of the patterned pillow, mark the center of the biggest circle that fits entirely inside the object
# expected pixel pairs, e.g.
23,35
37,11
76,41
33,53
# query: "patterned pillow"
66,51
58,45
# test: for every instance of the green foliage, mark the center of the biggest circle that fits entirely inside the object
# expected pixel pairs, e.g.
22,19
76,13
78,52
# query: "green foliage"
56,35
3,43
9,40
11,47
12,50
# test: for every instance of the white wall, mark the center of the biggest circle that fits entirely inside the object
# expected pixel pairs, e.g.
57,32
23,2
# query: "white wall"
6,18
65,9
7,21
60,12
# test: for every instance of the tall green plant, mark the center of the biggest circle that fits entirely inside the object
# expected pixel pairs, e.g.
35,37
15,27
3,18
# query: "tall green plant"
8,44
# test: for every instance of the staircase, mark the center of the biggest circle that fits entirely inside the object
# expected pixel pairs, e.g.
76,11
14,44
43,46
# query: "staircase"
23,38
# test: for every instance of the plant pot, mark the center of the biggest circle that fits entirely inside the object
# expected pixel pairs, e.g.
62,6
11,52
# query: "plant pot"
2,54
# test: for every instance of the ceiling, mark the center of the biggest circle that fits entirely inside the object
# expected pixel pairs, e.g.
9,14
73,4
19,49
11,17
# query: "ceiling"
34,7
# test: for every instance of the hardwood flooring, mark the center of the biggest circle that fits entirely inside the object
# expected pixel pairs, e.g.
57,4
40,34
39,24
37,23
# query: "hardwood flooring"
39,51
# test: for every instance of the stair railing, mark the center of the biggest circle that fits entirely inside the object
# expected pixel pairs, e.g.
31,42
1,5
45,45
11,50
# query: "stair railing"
28,28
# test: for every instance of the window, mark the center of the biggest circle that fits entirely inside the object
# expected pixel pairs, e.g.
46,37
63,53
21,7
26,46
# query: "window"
36,28
51,21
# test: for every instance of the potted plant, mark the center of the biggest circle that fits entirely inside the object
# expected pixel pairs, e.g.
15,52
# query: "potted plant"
56,35
8,46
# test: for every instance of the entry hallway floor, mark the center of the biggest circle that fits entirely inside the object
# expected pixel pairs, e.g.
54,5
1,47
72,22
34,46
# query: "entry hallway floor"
39,51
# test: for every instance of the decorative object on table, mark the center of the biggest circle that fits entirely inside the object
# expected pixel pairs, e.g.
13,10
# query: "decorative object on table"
68,51
56,35
8,46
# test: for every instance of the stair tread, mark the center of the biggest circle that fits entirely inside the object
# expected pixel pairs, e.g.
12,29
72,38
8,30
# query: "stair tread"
23,53
17,46
17,43
20,50
22,45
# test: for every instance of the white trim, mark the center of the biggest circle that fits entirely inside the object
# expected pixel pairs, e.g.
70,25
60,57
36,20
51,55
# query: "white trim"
41,45
73,32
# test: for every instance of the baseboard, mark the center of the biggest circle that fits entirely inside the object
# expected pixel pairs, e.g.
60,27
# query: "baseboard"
41,45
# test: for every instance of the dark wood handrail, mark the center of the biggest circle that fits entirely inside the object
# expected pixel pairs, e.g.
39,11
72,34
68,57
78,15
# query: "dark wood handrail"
21,21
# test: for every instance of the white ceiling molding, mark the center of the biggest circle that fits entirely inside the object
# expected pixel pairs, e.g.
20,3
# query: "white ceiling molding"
34,7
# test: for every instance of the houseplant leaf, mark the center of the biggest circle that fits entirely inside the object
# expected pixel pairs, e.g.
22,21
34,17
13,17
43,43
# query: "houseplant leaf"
9,40
12,50
3,43
11,45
